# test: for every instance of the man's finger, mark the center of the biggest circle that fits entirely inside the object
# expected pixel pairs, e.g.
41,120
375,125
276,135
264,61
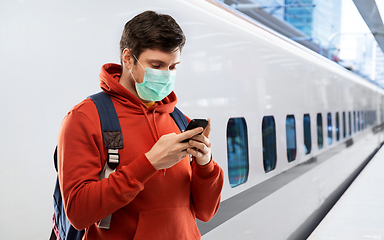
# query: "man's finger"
190,133
207,130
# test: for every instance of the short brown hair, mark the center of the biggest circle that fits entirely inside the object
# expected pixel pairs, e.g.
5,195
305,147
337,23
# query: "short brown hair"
151,30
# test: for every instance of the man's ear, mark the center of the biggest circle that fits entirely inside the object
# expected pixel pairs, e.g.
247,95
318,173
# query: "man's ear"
127,58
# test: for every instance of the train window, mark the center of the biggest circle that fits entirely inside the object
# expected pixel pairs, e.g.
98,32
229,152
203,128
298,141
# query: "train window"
307,133
373,117
349,124
269,143
344,126
329,117
358,121
354,121
291,137
237,151
381,115
370,117
337,127
319,130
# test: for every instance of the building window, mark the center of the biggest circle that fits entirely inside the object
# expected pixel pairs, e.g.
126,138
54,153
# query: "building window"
237,151
307,134
354,121
319,130
290,128
269,143
337,127
349,124
329,117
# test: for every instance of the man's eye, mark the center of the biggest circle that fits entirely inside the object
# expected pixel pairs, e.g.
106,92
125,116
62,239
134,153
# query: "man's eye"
155,66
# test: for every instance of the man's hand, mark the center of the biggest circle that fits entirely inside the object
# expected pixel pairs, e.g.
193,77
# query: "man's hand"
169,149
201,146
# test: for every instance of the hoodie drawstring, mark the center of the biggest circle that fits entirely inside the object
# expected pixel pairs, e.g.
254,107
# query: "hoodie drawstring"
154,122
155,132
155,138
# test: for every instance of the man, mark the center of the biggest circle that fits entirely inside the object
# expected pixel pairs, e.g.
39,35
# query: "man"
155,193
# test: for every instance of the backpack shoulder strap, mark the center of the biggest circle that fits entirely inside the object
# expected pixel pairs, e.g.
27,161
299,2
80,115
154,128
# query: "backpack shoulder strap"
110,127
113,139
110,124
180,119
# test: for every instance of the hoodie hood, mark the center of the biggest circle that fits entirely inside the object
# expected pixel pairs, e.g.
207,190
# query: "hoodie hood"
109,83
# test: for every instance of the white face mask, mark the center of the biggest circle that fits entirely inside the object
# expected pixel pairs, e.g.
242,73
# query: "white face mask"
156,85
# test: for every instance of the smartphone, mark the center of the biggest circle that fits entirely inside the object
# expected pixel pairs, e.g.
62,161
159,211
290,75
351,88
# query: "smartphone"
194,123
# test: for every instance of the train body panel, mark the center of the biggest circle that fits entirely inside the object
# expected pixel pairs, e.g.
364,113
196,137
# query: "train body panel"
231,67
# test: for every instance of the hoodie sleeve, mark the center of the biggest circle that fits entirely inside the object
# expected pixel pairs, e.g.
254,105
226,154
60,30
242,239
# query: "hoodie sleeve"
207,183
80,152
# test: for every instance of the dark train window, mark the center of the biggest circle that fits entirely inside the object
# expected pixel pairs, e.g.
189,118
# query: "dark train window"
381,115
290,128
237,151
337,127
320,139
362,120
329,119
269,143
371,117
354,121
307,133
358,121
344,126
349,124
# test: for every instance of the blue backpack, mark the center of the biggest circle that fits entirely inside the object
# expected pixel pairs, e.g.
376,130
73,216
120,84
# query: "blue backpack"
113,139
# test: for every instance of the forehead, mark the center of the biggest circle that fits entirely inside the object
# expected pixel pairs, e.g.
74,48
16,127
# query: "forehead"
149,55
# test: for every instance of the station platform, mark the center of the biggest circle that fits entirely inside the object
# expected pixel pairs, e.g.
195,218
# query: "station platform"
359,213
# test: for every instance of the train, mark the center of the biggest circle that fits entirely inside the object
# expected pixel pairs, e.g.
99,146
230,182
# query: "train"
290,128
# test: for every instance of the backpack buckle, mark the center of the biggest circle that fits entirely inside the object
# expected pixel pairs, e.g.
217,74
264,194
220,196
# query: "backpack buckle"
113,158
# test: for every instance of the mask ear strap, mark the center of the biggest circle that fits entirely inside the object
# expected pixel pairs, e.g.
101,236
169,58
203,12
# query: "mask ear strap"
130,70
138,61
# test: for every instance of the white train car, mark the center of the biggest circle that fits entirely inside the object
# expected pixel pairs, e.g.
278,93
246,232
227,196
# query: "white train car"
290,128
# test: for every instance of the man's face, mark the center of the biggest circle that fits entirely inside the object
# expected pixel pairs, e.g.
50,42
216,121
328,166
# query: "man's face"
155,59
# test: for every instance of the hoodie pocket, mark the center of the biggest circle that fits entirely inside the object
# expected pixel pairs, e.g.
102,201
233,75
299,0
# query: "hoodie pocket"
167,224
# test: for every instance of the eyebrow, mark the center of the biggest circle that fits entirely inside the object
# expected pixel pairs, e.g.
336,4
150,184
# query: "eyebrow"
161,62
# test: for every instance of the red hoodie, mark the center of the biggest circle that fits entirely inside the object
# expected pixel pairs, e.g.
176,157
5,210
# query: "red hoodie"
144,203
